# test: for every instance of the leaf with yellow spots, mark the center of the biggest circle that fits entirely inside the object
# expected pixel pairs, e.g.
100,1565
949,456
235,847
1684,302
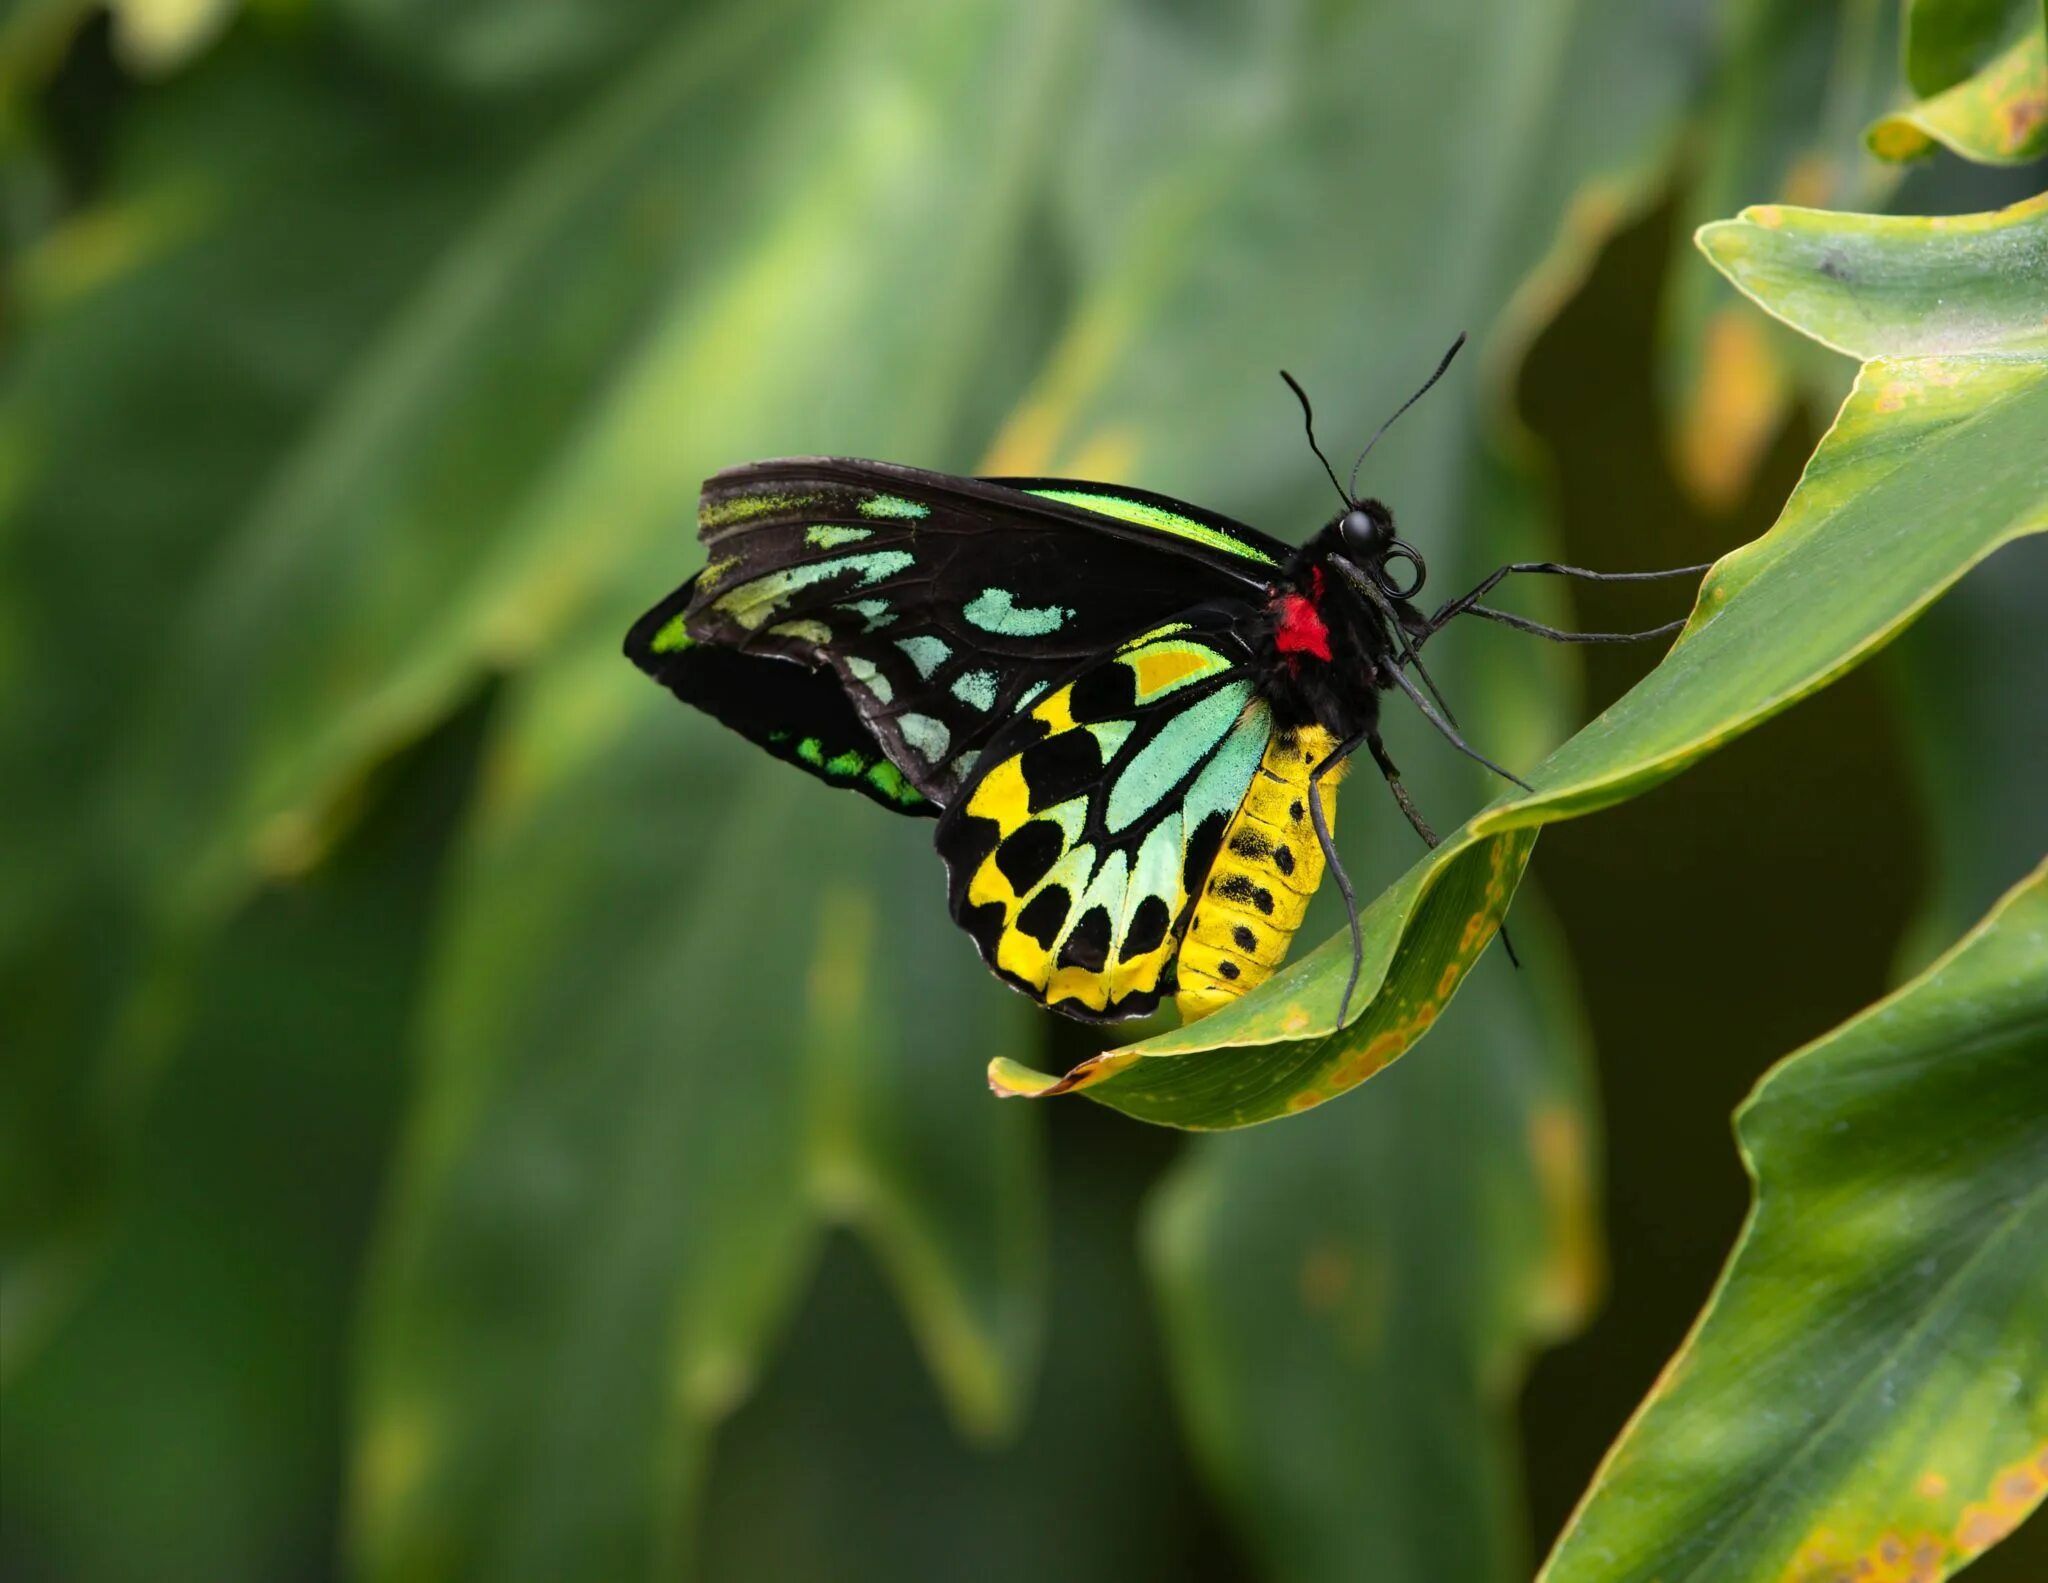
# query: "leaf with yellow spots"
1934,462
1997,116
1866,1396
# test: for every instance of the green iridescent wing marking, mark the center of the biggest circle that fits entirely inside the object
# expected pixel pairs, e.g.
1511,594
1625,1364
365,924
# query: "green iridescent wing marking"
1190,524
937,605
1094,815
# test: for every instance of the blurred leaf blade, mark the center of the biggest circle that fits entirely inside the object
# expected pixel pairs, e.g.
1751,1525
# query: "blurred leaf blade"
1851,561
376,571
1949,40
1879,1328
1998,116
794,1045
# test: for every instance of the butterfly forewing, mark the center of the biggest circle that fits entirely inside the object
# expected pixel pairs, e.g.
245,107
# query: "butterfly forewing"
1093,816
803,716
938,603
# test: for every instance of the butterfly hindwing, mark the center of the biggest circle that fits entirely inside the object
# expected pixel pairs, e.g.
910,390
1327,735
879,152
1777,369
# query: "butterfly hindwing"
938,603
1093,817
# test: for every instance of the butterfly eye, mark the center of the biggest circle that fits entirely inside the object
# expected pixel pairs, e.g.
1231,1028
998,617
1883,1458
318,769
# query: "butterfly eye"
1365,536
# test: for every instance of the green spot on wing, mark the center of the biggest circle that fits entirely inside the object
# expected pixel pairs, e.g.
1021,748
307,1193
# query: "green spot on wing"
829,536
926,653
888,779
929,736
732,509
672,638
1145,514
995,610
893,506
977,688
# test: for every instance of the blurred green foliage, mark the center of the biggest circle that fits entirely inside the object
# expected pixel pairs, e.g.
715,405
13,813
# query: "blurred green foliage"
436,1066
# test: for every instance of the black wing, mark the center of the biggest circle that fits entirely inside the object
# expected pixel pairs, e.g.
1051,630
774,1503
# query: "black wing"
937,603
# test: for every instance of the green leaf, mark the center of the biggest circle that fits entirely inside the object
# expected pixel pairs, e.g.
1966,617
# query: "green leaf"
1950,407
1998,116
185,1420
1948,40
1866,1395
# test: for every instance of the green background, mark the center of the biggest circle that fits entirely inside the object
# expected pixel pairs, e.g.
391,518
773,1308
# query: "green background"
466,1118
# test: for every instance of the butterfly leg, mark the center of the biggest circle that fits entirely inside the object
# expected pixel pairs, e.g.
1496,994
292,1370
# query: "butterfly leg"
1452,609
1392,775
1450,732
1557,635
1335,864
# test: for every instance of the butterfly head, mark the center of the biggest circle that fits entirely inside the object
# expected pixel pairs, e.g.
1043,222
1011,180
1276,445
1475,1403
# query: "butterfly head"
1365,547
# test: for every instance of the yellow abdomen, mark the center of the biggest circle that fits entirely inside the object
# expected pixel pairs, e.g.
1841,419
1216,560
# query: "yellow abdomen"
1267,868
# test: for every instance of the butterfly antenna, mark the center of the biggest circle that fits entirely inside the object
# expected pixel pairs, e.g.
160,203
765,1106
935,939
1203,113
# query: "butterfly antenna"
1308,422
1352,493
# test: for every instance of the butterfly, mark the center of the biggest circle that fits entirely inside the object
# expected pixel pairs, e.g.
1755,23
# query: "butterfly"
1127,714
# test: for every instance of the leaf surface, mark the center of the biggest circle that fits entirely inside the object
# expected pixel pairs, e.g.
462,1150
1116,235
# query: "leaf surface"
1866,1394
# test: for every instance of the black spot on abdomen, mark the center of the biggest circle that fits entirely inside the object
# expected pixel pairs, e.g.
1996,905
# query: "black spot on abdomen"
1246,940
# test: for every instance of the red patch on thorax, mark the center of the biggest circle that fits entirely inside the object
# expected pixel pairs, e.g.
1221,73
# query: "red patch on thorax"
1302,629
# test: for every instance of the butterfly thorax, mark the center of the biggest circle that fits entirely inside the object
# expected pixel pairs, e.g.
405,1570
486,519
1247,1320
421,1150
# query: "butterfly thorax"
1324,650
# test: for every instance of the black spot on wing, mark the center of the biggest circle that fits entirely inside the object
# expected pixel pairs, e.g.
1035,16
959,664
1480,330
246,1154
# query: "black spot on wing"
1029,852
1147,930
1108,692
1200,852
1087,945
965,842
1061,768
1044,914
